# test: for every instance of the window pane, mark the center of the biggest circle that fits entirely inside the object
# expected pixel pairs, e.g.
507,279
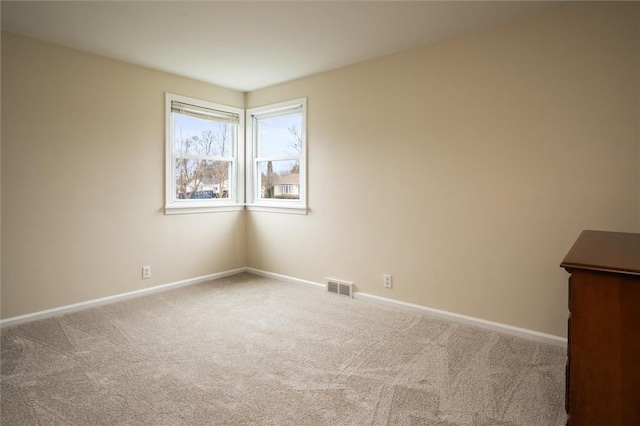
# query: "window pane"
202,179
280,136
196,136
279,179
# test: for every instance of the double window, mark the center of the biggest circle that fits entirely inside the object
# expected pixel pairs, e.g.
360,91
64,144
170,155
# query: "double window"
206,157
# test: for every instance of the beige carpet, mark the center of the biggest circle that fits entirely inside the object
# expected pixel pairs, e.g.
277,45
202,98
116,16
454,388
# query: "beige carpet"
248,350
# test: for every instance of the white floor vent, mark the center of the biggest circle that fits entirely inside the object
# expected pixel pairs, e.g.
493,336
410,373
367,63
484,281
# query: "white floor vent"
339,287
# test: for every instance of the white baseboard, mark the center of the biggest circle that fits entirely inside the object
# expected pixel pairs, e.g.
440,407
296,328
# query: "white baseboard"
8,322
477,322
463,319
283,278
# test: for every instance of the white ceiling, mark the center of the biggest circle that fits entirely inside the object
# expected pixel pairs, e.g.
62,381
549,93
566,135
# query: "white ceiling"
249,45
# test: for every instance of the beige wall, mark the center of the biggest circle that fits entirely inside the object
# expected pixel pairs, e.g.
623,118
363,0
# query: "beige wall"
82,181
467,168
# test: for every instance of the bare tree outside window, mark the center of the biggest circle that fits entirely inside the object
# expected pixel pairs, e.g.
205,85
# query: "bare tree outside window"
296,143
197,175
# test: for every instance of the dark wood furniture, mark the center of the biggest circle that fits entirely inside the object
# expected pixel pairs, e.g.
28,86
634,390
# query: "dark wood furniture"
603,366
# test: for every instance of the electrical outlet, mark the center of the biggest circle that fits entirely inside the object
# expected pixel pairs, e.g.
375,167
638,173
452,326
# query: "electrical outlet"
387,280
146,272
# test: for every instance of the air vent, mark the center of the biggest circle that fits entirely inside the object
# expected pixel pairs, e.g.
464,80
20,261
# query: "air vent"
339,287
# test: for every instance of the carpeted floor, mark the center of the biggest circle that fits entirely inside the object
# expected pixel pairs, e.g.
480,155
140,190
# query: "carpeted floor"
248,350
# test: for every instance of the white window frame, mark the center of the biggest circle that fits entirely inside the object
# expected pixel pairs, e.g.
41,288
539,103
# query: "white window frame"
254,201
174,205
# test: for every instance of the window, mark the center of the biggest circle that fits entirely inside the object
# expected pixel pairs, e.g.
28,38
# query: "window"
205,145
276,157
205,157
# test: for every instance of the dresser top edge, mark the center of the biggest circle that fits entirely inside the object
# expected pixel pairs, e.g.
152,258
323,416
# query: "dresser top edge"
617,252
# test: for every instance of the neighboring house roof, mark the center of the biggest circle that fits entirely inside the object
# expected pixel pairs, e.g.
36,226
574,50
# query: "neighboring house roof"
288,179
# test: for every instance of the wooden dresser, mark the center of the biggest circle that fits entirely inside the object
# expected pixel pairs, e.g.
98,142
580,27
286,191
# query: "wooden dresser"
603,366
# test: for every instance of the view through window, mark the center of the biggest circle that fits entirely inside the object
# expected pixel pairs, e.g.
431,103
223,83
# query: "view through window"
279,146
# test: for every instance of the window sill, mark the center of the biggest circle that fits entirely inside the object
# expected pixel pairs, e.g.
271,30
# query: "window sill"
206,208
298,209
